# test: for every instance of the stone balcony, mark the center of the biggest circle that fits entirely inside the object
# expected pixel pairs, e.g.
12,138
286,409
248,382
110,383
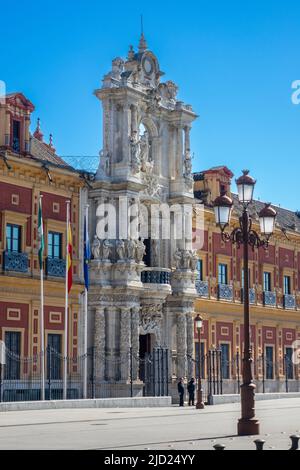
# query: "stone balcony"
55,267
269,299
155,276
252,296
289,302
225,292
14,261
202,288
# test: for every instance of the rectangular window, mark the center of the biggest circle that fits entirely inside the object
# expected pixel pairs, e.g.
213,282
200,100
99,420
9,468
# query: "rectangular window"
202,360
54,245
222,273
199,270
286,285
13,350
225,360
267,282
269,362
54,357
13,237
288,363
16,134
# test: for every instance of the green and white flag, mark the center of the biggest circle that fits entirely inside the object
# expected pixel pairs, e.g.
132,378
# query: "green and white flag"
41,234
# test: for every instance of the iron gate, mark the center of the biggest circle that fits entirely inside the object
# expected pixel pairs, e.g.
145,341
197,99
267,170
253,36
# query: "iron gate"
156,372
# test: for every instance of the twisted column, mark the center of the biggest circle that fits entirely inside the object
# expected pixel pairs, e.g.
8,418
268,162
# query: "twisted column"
190,343
181,344
135,343
125,342
99,343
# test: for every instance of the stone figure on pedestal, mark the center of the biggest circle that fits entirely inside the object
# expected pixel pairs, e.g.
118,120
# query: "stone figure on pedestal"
96,245
120,248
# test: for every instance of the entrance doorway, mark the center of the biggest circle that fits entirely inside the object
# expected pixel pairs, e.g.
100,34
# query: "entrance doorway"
145,350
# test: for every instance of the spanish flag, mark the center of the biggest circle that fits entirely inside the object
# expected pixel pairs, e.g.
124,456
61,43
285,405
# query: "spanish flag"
69,258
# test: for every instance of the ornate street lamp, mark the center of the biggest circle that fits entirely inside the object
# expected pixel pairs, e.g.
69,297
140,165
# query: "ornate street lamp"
244,235
199,404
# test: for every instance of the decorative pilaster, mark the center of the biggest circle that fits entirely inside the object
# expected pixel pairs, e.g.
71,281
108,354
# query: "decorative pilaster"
135,344
181,345
125,342
99,343
190,343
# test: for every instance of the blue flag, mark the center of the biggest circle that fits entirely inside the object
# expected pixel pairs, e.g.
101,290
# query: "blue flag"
86,255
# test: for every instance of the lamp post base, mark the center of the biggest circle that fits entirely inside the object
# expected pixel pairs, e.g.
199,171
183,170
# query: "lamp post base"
248,427
199,404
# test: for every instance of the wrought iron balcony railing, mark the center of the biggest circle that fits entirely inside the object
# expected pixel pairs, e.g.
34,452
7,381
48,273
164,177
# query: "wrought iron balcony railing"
14,261
269,298
155,276
55,267
289,301
225,292
202,288
252,295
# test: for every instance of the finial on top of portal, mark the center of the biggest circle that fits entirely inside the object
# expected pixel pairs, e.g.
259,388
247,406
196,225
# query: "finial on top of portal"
130,53
38,133
50,145
142,43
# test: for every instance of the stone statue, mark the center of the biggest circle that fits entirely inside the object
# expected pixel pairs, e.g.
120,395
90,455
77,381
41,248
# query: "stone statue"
135,154
188,165
96,247
131,249
186,257
178,258
120,248
193,260
144,150
106,247
140,250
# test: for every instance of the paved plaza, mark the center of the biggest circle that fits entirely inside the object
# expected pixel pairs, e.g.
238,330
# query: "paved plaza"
147,428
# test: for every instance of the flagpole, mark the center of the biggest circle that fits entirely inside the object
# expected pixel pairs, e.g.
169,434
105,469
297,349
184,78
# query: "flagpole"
42,332
66,310
86,228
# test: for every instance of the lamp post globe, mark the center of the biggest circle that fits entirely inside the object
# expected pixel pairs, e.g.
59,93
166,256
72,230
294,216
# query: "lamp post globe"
222,207
267,220
245,185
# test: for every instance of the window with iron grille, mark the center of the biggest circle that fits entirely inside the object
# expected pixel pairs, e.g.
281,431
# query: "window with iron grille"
289,366
54,362
269,362
202,360
12,341
13,237
225,360
16,134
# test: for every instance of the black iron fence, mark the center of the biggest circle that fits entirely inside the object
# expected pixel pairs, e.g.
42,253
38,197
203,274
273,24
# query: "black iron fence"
220,375
20,377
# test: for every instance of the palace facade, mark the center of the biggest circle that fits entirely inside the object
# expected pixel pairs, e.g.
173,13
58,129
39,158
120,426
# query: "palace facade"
29,168
274,291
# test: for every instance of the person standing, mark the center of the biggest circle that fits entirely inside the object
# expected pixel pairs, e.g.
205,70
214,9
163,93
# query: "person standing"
180,387
191,391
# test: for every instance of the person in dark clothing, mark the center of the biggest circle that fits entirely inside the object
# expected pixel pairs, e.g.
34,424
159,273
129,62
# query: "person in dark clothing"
191,391
180,387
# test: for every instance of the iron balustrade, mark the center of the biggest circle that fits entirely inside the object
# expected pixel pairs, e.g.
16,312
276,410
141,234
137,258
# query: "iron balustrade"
15,261
269,298
225,292
55,267
289,301
202,288
155,276
252,295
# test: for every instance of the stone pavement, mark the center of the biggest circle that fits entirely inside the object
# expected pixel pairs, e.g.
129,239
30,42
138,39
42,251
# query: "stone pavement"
148,428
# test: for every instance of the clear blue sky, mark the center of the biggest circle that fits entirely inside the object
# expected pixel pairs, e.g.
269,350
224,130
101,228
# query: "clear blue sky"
234,62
